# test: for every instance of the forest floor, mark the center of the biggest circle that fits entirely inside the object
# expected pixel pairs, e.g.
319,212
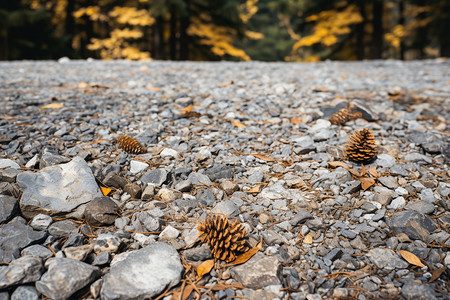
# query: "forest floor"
250,141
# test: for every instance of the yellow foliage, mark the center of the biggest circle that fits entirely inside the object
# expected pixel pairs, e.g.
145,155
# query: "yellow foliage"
132,16
395,36
248,9
219,38
253,35
93,12
329,25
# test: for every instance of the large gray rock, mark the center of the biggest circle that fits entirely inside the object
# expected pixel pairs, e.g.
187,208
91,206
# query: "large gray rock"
258,272
25,292
9,207
101,211
157,177
418,291
58,190
415,225
66,276
22,270
16,235
143,274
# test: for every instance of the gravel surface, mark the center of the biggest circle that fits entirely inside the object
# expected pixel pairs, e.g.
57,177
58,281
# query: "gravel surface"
251,141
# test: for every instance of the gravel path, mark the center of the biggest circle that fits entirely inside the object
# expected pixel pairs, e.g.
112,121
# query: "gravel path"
251,141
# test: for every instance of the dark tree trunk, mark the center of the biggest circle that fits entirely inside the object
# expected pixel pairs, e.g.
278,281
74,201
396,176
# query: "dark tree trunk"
173,33
421,35
158,38
184,38
360,33
377,34
69,26
401,21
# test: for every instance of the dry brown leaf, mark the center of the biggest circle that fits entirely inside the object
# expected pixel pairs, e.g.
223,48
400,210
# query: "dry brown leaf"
437,273
105,190
52,106
240,259
96,142
366,182
373,172
256,189
363,170
83,85
205,267
411,258
237,124
153,88
226,84
296,121
336,164
308,239
144,69
263,157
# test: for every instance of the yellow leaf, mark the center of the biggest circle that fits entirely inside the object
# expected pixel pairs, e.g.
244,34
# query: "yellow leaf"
246,256
255,189
52,106
411,258
205,267
105,190
237,124
308,239
366,182
187,109
263,157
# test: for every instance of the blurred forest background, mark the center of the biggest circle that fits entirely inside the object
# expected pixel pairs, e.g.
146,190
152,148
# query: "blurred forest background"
266,30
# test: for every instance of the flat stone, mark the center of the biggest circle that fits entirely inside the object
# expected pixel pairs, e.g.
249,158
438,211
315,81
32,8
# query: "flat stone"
416,157
444,189
78,252
422,207
9,208
169,153
385,160
62,228
49,157
229,187
198,254
133,190
397,203
103,258
9,174
227,208
8,163
169,233
66,276
199,179
38,251
382,195
258,272
114,180
427,195
41,222
25,292
101,211
418,291
169,195
220,171
137,166
156,177
415,225
388,181
386,259
301,217
16,235
58,190
143,274
107,242
206,197
22,270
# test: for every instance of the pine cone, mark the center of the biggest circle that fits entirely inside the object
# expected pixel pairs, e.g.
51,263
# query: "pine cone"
344,115
225,240
131,145
361,146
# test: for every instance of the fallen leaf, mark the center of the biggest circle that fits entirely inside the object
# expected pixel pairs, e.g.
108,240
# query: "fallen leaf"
336,164
96,142
237,124
105,190
437,273
263,157
153,88
411,258
373,172
256,189
205,267
363,170
246,256
308,239
366,182
296,121
187,109
52,106
83,85
226,84
144,69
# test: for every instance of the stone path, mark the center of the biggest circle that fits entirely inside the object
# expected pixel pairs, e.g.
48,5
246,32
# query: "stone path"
251,141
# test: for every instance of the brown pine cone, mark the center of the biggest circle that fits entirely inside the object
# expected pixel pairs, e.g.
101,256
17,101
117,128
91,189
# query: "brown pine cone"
130,145
361,146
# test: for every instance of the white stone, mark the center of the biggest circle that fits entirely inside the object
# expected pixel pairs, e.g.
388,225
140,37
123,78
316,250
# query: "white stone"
169,233
143,239
8,163
401,191
321,124
137,166
397,203
41,222
167,152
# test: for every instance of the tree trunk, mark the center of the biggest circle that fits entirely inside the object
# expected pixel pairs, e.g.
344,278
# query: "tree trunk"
158,38
69,26
184,38
173,33
377,34
360,33
401,21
